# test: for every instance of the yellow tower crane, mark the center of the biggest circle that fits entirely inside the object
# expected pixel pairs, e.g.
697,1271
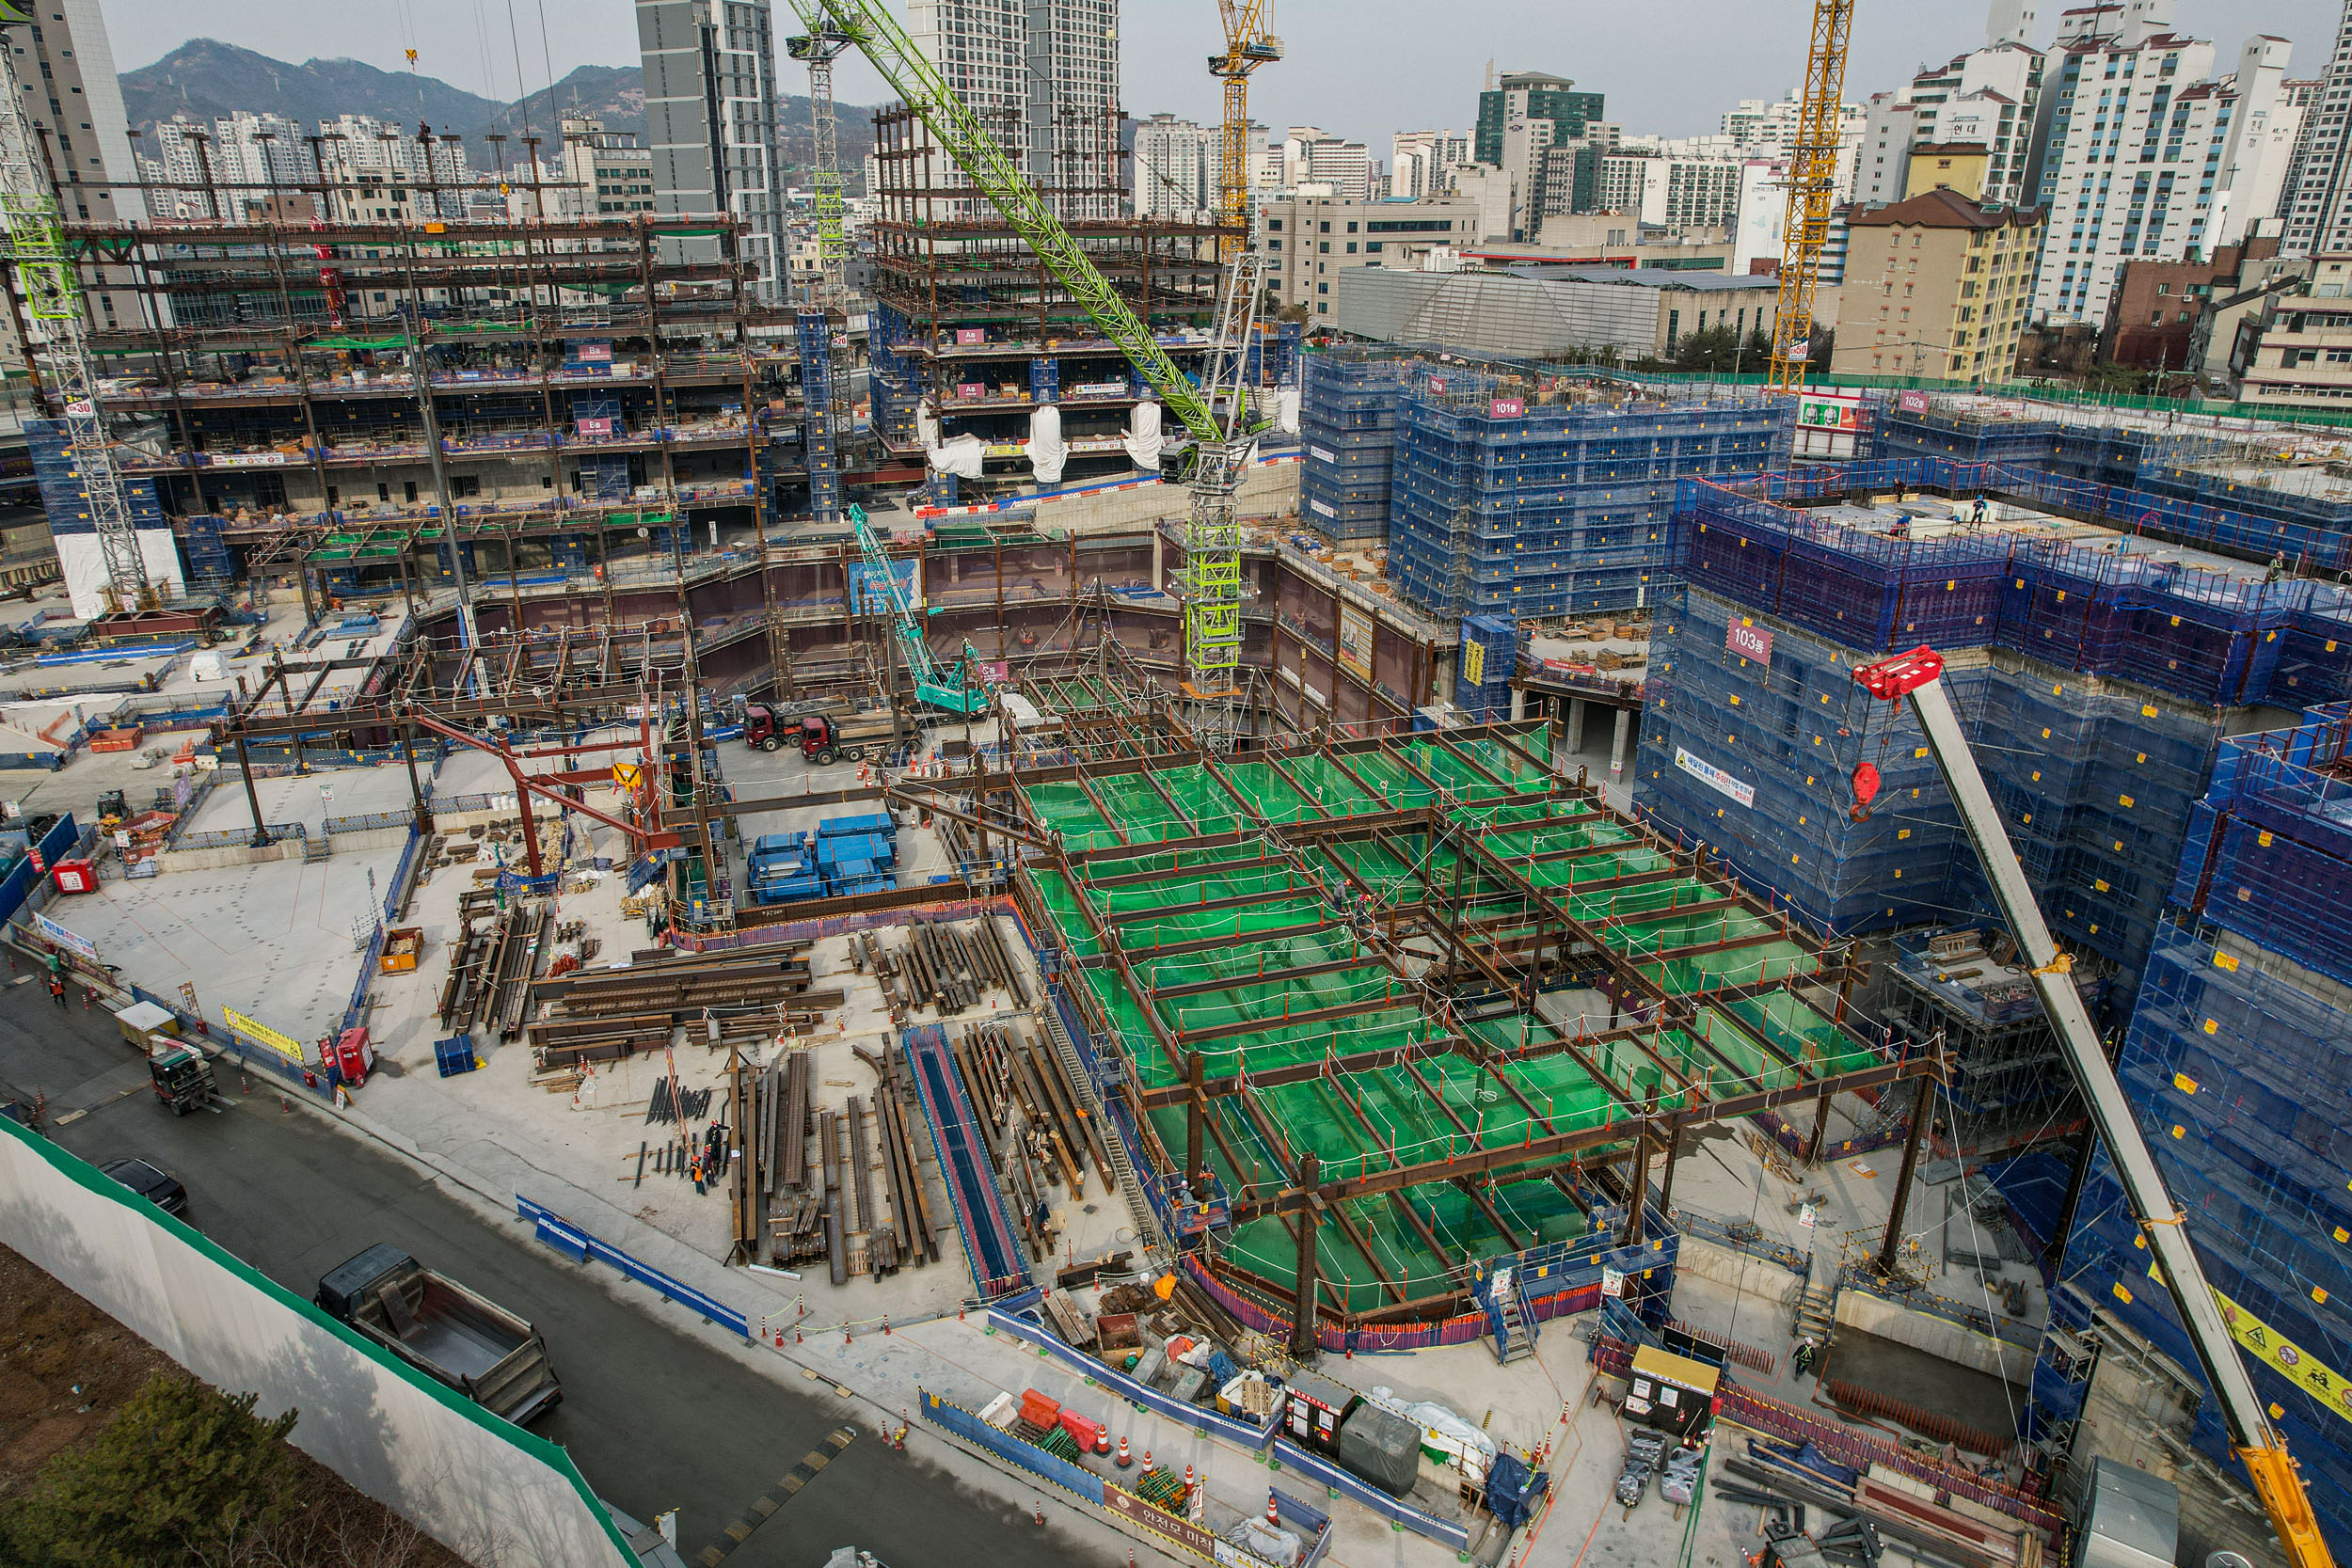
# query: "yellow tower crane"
1812,190
1248,46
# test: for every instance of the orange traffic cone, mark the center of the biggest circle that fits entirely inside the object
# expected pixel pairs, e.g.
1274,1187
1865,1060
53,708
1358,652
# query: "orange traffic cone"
1273,1515
1124,1459
1188,1481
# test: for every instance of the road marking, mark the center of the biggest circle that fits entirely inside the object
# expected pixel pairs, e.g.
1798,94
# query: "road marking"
777,1495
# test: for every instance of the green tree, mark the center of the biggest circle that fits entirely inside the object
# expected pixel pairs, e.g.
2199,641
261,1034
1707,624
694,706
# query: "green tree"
182,1474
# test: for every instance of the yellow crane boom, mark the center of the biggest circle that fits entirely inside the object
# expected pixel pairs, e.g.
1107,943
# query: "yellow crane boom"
1248,46
1812,192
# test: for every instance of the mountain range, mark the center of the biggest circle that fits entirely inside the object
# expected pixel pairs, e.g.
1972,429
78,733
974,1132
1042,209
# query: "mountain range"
205,80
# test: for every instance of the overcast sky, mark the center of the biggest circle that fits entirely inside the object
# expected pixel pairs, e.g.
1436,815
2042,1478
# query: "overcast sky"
1360,68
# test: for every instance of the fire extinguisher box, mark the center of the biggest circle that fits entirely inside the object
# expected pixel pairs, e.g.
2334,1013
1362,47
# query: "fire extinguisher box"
75,877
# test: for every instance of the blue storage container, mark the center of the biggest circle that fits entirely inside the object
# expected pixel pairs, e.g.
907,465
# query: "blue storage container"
455,1056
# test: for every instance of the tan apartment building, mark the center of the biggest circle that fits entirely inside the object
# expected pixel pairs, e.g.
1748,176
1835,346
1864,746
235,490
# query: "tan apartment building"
2301,355
1312,240
1937,284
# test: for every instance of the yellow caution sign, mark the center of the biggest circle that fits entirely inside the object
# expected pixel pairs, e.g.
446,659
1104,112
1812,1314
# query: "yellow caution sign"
261,1034
2287,1358
625,774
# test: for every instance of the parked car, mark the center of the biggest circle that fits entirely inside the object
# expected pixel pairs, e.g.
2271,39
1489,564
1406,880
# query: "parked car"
158,1186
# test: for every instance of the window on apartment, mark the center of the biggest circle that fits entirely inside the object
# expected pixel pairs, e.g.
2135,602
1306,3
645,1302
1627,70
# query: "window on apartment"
1324,245
1372,248
1351,245
1273,224
1322,308
1323,288
384,492
2163,288
1324,227
409,487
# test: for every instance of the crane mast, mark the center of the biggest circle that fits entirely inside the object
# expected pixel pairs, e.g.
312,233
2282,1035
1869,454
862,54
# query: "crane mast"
32,225
1917,676
1213,412
835,424
1248,46
1812,192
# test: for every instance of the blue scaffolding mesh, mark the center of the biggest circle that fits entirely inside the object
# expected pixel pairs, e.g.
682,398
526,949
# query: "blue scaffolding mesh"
1348,431
2235,1066
1551,509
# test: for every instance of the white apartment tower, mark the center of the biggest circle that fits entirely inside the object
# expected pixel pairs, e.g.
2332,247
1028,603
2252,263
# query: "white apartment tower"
1177,169
2139,149
2315,207
1042,75
710,71
1422,162
1988,97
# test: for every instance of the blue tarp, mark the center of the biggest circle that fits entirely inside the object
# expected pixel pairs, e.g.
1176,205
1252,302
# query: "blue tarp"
1511,1489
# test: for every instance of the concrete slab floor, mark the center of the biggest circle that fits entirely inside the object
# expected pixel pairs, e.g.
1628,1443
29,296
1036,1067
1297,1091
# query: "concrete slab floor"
274,940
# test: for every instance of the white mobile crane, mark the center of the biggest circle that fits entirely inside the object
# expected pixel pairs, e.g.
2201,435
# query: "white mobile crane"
1917,675
31,227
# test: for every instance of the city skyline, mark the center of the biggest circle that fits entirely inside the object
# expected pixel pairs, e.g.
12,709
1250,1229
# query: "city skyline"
1429,78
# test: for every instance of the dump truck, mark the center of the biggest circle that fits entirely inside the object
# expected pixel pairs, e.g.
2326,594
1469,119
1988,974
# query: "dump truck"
857,738
445,1331
771,726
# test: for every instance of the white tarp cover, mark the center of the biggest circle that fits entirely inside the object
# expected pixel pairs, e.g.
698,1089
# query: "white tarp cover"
1286,410
487,1490
963,456
1143,441
1047,450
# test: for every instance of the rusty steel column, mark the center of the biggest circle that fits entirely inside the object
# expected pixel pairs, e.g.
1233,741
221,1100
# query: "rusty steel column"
1666,1178
1917,1136
1640,1185
1196,1113
1820,1129
1303,1343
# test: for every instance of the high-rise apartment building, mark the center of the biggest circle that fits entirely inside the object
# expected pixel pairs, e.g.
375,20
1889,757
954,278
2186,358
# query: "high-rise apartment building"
1987,97
1042,75
2315,207
1529,113
710,94
1177,169
1422,162
1761,127
1674,193
1311,241
2140,152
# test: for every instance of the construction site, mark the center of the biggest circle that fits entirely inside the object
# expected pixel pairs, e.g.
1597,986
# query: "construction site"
1435,942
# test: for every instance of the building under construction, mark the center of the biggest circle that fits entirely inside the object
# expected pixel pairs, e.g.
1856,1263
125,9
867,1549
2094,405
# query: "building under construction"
983,360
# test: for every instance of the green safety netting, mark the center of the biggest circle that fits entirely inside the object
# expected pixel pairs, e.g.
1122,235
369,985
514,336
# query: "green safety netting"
1375,1251
1327,784
1391,780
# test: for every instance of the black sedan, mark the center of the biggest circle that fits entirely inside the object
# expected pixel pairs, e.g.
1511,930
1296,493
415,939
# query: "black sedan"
159,1187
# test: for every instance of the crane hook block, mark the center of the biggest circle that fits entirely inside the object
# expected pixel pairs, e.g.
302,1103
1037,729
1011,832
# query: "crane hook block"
1866,784
1890,678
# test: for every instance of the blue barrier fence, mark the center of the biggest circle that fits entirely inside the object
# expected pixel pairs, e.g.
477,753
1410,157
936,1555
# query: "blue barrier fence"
1196,1416
1074,1479
584,1246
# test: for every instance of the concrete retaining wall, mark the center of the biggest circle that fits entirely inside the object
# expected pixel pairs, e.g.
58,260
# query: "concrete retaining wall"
1938,1337
283,850
1268,491
1756,1277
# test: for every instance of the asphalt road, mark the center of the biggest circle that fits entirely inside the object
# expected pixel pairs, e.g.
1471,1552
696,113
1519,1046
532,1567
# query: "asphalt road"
655,1420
